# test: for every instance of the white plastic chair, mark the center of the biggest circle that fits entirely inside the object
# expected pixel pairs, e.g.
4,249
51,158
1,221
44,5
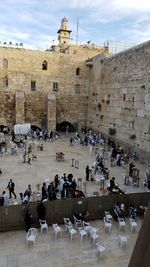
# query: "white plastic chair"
133,225
123,241
107,225
57,229
67,223
94,237
93,230
82,233
31,236
108,216
43,225
86,226
97,178
122,224
101,250
77,222
72,231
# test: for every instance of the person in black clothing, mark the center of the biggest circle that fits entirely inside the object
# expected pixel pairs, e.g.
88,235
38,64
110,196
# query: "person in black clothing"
51,188
44,191
11,187
28,220
131,168
112,183
73,185
41,211
71,141
113,188
13,136
65,189
85,215
87,171
56,180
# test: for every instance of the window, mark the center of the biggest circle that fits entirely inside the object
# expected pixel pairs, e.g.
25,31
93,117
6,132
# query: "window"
44,65
77,88
55,86
5,82
78,71
33,85
5,63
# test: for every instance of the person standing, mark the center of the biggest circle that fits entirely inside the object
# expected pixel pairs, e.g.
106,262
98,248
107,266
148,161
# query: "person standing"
11,188
67,130
5,199
29,157
44,191
28,220
28,191
41,210
90,149
87,171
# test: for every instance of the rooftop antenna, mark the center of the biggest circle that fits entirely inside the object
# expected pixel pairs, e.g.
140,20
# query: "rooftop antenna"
77,31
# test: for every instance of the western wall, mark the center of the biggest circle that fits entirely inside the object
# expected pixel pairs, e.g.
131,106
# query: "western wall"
119,96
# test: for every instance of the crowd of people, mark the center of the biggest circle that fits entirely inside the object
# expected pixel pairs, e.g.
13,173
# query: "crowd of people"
122,211
64,186
60,188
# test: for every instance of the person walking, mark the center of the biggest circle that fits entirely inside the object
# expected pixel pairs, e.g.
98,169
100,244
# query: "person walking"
11,188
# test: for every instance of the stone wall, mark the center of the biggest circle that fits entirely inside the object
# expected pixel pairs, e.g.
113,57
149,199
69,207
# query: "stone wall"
119,95
24,66
108,92
12,217
7,108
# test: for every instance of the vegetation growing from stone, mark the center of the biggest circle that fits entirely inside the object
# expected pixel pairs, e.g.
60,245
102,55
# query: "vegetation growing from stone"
112,131
99,106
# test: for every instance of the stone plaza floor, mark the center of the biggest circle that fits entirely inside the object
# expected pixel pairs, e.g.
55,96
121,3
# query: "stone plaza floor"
62,251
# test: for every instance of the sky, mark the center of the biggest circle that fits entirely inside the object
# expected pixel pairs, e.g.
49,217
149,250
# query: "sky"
35,22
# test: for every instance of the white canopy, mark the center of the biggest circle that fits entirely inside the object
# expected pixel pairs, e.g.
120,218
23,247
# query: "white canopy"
22,128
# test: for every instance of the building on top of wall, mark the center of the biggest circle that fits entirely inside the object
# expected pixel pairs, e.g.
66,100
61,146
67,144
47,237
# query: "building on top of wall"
64,32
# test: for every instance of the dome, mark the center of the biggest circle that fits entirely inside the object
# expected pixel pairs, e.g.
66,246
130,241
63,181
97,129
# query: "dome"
64,20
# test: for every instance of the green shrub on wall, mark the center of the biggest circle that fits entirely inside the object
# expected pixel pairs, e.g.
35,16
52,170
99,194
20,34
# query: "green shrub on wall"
99,106
112,131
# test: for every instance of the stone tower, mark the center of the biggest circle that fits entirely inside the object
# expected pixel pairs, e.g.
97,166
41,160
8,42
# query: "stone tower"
64,32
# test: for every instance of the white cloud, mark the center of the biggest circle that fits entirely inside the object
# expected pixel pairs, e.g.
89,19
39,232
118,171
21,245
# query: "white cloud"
35,22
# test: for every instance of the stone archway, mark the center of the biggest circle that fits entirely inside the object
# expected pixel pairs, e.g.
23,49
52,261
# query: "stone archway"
35,127
4,128
62,126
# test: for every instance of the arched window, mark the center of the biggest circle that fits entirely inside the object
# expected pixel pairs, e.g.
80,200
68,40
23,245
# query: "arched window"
78,71
5,63
44,65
